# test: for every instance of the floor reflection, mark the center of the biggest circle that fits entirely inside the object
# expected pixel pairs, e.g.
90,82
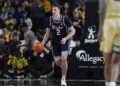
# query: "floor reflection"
49,82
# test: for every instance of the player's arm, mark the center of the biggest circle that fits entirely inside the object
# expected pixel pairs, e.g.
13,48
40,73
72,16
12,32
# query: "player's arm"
46,36
68,22
102,13
71,34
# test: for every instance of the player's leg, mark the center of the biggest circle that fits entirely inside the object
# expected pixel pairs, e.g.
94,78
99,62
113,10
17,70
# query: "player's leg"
115,58
56,54
107,67
58,63
115,68
106,47
64,64
64,68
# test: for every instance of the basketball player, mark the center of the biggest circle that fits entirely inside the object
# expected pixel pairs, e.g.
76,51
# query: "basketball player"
109,38
58,28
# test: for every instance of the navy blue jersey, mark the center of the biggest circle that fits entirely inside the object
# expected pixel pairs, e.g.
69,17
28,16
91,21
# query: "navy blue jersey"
59,29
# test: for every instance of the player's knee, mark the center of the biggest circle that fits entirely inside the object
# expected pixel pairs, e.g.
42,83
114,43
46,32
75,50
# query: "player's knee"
64,58
115,58
58,63
116,54
108,59
108,62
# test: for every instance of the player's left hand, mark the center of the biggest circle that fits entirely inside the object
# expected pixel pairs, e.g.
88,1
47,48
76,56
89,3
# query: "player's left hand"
63,41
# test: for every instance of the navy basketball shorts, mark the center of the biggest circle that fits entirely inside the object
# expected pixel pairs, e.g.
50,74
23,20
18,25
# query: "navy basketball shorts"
59,49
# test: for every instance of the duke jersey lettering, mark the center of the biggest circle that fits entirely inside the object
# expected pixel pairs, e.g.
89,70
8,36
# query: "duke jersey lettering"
59,29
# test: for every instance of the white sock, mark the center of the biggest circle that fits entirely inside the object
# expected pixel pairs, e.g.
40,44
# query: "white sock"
63,76
112,84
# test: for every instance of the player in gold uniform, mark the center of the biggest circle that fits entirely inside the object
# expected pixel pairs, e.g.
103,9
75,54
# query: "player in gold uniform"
109,38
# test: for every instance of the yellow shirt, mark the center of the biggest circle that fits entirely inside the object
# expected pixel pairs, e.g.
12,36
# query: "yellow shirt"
7,37
82,13
12,20
18,63
113,9
47,5
29,4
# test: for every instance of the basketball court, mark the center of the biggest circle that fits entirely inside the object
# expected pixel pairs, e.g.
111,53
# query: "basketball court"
49,82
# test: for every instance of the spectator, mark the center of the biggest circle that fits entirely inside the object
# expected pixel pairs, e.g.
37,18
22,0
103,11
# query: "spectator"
18,14
16,4
66,10
77,3
77,23
2,2
6,34
16,67
18,26
29,38
20,23
29,4
23,7
3,13
82,13
3,52
9,8
14,41
11,28
27,20
1,32
10,20
41,64
11,38
36,13
47,5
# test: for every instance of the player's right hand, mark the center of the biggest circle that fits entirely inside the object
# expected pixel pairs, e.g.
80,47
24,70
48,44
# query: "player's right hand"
63,41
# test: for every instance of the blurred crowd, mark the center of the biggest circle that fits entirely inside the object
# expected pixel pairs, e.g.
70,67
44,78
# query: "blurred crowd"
14,14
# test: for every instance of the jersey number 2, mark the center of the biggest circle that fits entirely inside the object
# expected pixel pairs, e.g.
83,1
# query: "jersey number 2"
58,32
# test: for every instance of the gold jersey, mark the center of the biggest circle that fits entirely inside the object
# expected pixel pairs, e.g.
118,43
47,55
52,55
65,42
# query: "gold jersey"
113,9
